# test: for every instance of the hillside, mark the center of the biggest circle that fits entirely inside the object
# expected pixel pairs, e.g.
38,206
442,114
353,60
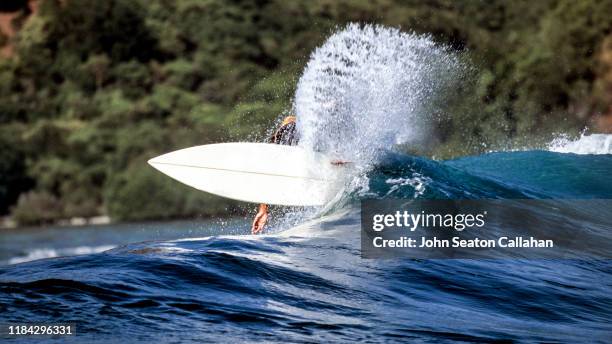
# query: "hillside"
89,90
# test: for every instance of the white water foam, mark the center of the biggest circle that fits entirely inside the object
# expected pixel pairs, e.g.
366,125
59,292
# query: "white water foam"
586,144
368,88
41,253
417,182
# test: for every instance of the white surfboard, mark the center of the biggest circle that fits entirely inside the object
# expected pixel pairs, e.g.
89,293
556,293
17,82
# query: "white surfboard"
255,172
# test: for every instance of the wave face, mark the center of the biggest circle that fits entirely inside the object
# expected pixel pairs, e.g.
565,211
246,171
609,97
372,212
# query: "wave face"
308,282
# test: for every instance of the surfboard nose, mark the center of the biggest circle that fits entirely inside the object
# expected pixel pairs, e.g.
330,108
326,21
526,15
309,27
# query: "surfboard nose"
154,162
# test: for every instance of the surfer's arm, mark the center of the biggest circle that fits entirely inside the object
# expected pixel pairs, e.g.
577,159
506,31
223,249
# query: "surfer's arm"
260,219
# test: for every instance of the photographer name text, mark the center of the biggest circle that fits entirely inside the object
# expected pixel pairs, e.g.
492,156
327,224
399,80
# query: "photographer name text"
457,222
457,242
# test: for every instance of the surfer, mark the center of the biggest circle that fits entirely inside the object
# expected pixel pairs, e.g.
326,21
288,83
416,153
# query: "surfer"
285,134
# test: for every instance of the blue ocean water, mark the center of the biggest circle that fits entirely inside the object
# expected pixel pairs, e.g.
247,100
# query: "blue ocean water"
308,283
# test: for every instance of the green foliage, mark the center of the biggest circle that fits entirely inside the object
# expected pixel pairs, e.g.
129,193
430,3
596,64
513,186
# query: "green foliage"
37,208
13,178
3,39
95,88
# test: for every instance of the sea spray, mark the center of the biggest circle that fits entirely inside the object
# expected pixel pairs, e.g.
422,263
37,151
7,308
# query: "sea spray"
370,87
367,89
585,144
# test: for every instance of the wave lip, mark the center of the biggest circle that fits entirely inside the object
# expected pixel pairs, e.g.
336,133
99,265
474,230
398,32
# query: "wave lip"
586,144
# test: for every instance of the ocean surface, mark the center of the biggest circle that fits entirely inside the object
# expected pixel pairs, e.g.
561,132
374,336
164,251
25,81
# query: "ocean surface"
304,281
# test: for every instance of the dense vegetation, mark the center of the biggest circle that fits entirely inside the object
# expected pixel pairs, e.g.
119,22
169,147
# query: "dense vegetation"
94,88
